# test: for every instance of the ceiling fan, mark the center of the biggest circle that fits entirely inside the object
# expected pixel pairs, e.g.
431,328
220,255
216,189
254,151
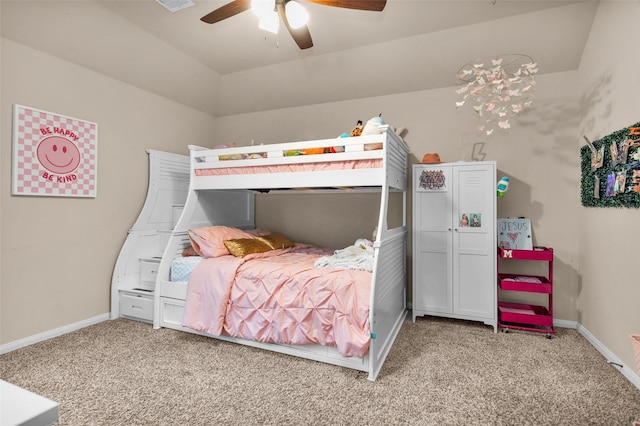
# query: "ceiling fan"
300,33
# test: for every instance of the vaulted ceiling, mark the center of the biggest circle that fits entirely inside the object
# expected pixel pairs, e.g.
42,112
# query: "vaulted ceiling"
233,67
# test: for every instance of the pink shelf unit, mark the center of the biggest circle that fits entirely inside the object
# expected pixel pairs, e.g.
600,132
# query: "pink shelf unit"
523,316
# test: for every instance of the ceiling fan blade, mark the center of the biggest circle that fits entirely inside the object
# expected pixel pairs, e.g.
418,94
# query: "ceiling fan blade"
371,5
301,35
227,11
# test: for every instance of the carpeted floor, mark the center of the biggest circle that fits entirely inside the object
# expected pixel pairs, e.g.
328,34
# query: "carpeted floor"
439,372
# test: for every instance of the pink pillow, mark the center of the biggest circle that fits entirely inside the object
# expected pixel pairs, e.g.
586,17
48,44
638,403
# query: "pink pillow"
209,241
258,232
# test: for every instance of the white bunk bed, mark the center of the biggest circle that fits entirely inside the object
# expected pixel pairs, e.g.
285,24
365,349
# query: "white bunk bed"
222,191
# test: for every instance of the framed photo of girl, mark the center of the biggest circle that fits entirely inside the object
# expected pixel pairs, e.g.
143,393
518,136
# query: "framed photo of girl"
53,155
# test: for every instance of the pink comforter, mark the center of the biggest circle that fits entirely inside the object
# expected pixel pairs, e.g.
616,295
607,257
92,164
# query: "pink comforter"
280,297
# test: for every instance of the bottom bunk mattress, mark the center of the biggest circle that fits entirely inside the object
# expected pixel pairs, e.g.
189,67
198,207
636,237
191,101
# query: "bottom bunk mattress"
280,297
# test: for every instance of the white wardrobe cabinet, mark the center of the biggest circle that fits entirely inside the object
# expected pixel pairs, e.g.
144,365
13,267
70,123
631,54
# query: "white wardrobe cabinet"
135,272
454,241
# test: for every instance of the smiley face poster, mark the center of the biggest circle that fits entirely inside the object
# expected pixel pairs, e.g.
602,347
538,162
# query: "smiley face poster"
53,155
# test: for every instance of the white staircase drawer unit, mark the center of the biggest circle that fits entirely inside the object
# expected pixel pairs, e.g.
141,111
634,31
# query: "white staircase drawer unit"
138,264
149,270
136,306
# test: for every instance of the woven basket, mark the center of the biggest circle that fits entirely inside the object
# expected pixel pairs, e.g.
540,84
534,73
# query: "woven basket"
635,341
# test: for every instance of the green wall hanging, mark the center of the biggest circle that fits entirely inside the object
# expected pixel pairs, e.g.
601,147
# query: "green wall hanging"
611,170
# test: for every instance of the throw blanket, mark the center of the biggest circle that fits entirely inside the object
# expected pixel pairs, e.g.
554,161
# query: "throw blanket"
279,296
357,256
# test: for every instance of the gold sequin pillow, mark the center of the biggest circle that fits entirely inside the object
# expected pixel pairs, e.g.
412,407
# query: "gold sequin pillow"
241,247
276,241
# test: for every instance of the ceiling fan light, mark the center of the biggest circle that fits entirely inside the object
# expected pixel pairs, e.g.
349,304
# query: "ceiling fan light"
296,14
270,22
263,7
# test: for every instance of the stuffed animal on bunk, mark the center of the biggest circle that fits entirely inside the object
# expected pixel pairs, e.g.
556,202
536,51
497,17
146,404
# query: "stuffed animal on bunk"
227,157
371,128
357,131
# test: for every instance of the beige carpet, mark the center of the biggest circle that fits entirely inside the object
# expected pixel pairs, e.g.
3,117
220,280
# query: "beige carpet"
439,372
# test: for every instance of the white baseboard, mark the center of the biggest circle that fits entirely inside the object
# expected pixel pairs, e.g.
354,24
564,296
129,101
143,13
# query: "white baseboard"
611,358
41,337
565,324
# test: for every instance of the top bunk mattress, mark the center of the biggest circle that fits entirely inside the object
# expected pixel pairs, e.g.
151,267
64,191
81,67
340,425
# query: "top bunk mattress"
364,161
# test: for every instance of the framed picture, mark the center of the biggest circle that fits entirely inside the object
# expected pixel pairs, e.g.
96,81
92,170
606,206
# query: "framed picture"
53,155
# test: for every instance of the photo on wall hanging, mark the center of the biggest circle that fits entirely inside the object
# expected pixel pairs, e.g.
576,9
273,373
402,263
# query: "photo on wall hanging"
53,155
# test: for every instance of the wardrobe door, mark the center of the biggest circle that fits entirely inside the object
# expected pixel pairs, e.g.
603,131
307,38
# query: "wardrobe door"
473,241
432,228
